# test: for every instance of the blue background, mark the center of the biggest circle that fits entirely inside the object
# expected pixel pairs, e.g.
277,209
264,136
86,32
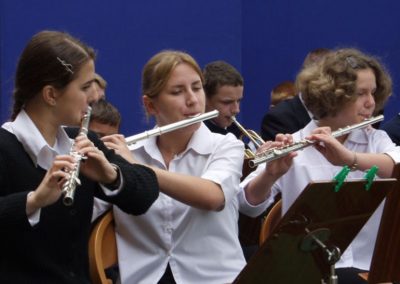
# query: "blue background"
266,40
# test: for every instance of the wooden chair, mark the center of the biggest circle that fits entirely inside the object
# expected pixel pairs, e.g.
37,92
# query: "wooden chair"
270,221
249,227
102,249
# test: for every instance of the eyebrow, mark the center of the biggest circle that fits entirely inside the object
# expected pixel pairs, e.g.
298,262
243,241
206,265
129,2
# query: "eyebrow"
182,85
88,82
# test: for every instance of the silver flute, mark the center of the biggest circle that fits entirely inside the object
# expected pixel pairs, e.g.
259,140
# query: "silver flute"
276,153
170,127
73,181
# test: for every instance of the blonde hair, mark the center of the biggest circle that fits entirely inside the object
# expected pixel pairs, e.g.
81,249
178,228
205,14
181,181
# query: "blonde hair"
330,84
159,68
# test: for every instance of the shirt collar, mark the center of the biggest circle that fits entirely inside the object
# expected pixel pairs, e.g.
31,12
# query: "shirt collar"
304,105
196,143
34,143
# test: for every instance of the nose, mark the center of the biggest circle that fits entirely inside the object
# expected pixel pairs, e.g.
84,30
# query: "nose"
235,108
370,101
191,98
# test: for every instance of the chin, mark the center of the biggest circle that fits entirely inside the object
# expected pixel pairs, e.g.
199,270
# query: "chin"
228,124
75,123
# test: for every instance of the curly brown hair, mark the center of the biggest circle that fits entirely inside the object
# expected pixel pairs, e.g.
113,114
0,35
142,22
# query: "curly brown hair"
330,84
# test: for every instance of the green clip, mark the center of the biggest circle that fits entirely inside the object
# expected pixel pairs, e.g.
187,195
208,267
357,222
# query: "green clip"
369,176
340,177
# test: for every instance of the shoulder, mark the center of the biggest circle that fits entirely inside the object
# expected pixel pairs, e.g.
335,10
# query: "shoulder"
7,138
286,110
289,104
215,128
10,147
378,135
392,124
206,139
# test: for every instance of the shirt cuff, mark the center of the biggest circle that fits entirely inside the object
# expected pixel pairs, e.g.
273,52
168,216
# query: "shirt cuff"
114,191
34,218
252,210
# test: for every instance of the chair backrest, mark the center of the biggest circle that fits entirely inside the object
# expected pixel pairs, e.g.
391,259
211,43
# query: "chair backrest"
102,249
249,227
270,221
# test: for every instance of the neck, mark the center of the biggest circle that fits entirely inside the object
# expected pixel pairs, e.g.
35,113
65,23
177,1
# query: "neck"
173,142
44,122
331,122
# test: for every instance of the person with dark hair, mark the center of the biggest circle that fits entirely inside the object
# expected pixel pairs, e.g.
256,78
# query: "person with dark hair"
42,239
223,86
105,119
345,88
290,115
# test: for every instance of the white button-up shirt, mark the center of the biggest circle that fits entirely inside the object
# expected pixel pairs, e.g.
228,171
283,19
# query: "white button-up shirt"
34,143
200,246
311,165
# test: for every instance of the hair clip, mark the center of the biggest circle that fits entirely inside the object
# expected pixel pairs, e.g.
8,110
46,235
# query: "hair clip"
67,66
352,62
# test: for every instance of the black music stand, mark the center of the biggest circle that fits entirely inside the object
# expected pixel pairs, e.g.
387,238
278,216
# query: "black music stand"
308,240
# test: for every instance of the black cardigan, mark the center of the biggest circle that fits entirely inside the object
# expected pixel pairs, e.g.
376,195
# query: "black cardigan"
56,249
288,116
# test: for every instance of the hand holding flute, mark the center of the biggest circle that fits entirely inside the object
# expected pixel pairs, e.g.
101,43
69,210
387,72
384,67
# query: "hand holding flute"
96,166
276,153
121,145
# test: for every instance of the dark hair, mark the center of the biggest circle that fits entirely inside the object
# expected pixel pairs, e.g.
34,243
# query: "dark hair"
330,84
104,112
218,74
50,58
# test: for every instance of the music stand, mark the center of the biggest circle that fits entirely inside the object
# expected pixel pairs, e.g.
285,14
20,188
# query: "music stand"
319,225
386,258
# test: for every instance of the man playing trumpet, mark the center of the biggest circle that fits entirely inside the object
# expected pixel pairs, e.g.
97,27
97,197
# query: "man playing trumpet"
223,86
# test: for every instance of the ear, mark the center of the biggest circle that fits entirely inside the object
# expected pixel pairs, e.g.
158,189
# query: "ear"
50,95
149,105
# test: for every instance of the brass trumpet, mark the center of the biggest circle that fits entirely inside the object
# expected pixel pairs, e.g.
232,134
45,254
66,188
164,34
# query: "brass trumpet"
252,135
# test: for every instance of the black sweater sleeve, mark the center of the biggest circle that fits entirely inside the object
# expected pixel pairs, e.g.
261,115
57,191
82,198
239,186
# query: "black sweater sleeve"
140,188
